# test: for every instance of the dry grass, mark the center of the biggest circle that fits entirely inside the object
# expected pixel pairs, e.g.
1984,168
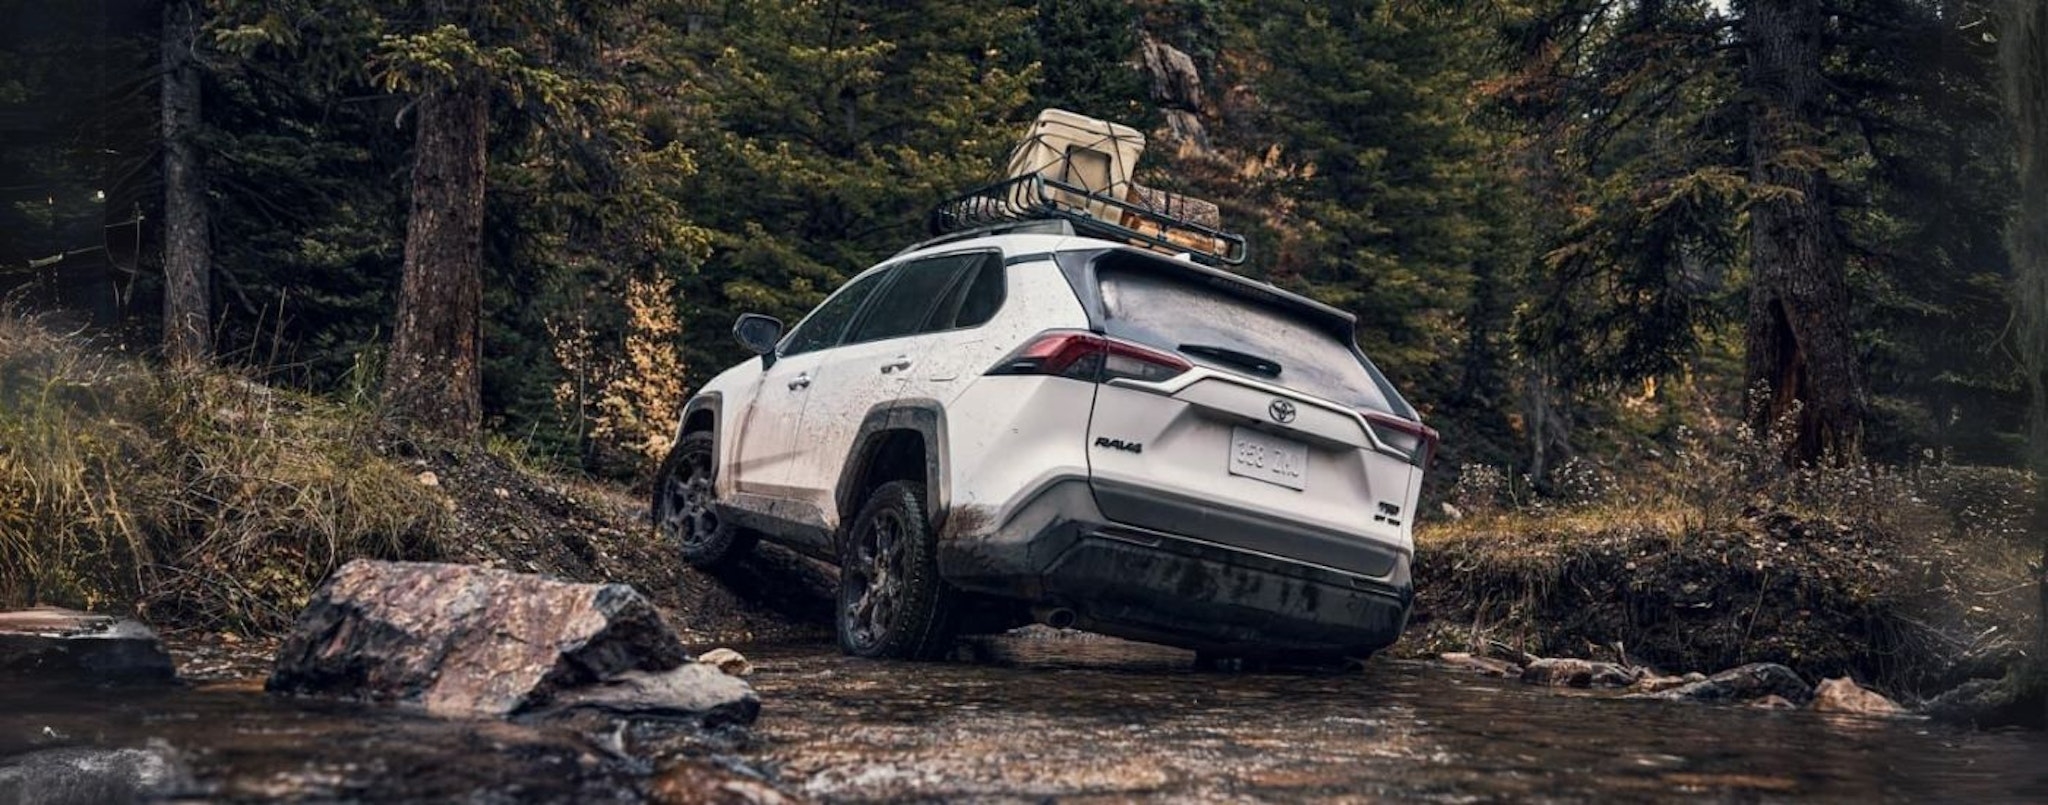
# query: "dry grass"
203,499
1911,578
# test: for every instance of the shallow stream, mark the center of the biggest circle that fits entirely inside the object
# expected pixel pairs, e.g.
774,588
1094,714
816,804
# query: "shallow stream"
1074,719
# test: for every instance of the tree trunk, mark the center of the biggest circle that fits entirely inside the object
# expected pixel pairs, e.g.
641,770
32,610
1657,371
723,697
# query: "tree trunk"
1800,353
2023,55
431,380
188,327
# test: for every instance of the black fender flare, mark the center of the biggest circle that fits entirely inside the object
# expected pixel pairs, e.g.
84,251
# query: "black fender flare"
927,418
708,401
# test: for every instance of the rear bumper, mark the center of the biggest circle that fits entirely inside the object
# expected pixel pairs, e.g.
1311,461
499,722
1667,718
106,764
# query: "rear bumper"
1058,549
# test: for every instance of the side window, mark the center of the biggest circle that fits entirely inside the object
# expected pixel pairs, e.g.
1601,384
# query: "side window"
822,329
974,298
909,301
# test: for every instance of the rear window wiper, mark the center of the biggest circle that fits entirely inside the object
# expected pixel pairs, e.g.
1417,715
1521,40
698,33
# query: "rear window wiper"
1243,360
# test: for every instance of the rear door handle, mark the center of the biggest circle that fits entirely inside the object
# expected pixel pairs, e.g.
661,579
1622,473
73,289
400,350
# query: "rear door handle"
901,363
802,381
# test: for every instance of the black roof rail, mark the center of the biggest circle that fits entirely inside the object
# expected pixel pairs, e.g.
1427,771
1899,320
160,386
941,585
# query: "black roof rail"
1035,198
1030,227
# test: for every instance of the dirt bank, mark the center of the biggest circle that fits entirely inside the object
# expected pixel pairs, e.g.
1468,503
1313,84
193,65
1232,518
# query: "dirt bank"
1912,612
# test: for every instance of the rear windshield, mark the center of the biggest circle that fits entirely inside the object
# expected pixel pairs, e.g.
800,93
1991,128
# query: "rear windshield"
1180,313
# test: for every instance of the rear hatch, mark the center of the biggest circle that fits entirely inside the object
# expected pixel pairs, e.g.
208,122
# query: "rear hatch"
1246,417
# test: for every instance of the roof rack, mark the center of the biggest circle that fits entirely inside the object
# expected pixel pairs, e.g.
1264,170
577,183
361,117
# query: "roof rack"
1035,197
1026,227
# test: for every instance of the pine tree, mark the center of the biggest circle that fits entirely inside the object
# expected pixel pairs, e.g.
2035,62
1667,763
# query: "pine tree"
188,269
1771,150
454,61
1382,207
824,132
2023,50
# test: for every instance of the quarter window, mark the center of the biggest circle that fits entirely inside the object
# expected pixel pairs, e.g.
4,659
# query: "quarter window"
974,298
932,295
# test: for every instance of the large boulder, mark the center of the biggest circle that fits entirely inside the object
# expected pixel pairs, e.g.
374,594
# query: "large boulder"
62,645
1743,684
456,639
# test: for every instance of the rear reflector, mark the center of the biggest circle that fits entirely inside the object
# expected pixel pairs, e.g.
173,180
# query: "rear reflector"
1087,356
1414,439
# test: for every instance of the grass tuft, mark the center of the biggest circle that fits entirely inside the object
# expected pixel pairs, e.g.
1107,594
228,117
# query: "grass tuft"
202,498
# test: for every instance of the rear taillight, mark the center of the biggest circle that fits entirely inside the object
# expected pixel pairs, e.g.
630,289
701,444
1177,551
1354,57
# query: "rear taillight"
1086,356
1416,440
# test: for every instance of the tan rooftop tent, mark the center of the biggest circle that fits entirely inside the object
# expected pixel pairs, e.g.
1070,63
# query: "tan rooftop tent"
1077,169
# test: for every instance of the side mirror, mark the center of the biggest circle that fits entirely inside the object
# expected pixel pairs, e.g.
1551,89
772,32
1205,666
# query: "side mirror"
759,333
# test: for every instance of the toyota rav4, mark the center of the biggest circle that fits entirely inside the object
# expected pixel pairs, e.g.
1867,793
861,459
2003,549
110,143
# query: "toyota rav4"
1020,423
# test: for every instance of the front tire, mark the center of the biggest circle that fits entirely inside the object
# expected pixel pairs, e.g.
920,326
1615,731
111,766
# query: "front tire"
686,506
892,603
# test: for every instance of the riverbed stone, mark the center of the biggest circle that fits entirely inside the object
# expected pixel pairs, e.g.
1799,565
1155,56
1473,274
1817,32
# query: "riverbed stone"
1489,666
1845,696
1577,673
89,775
727,660
1773,702
458,639
1742,684
1659,684
2011,701
697,690
49,644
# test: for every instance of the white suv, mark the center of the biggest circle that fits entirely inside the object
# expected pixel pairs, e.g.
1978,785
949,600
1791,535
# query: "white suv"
1021,423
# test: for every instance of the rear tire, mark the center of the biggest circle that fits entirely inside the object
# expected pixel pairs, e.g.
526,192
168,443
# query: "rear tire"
892,603
686,506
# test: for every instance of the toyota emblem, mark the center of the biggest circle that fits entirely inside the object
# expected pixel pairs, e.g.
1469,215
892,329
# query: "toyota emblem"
1282,411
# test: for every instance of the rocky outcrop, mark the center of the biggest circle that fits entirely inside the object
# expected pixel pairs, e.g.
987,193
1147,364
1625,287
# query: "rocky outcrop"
61,645
89,776
1177,89
1746,683
455,639
1176,82
1845,696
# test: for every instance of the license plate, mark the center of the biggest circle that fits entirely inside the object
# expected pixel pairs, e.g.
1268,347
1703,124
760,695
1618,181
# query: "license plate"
1268,458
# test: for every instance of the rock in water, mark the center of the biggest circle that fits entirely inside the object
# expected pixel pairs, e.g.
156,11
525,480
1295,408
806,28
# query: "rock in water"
62,645
1773,702
90,776
1845,696
456,639
1567,672
1485,665
1744,683
696,689
727,660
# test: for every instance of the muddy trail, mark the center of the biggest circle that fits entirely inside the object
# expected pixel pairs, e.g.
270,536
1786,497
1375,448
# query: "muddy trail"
1038,716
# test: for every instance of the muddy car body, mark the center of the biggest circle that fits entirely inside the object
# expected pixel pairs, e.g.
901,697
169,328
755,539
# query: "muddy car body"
1027,421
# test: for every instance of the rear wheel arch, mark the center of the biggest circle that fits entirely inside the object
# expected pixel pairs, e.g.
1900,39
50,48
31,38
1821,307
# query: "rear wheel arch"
903,440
